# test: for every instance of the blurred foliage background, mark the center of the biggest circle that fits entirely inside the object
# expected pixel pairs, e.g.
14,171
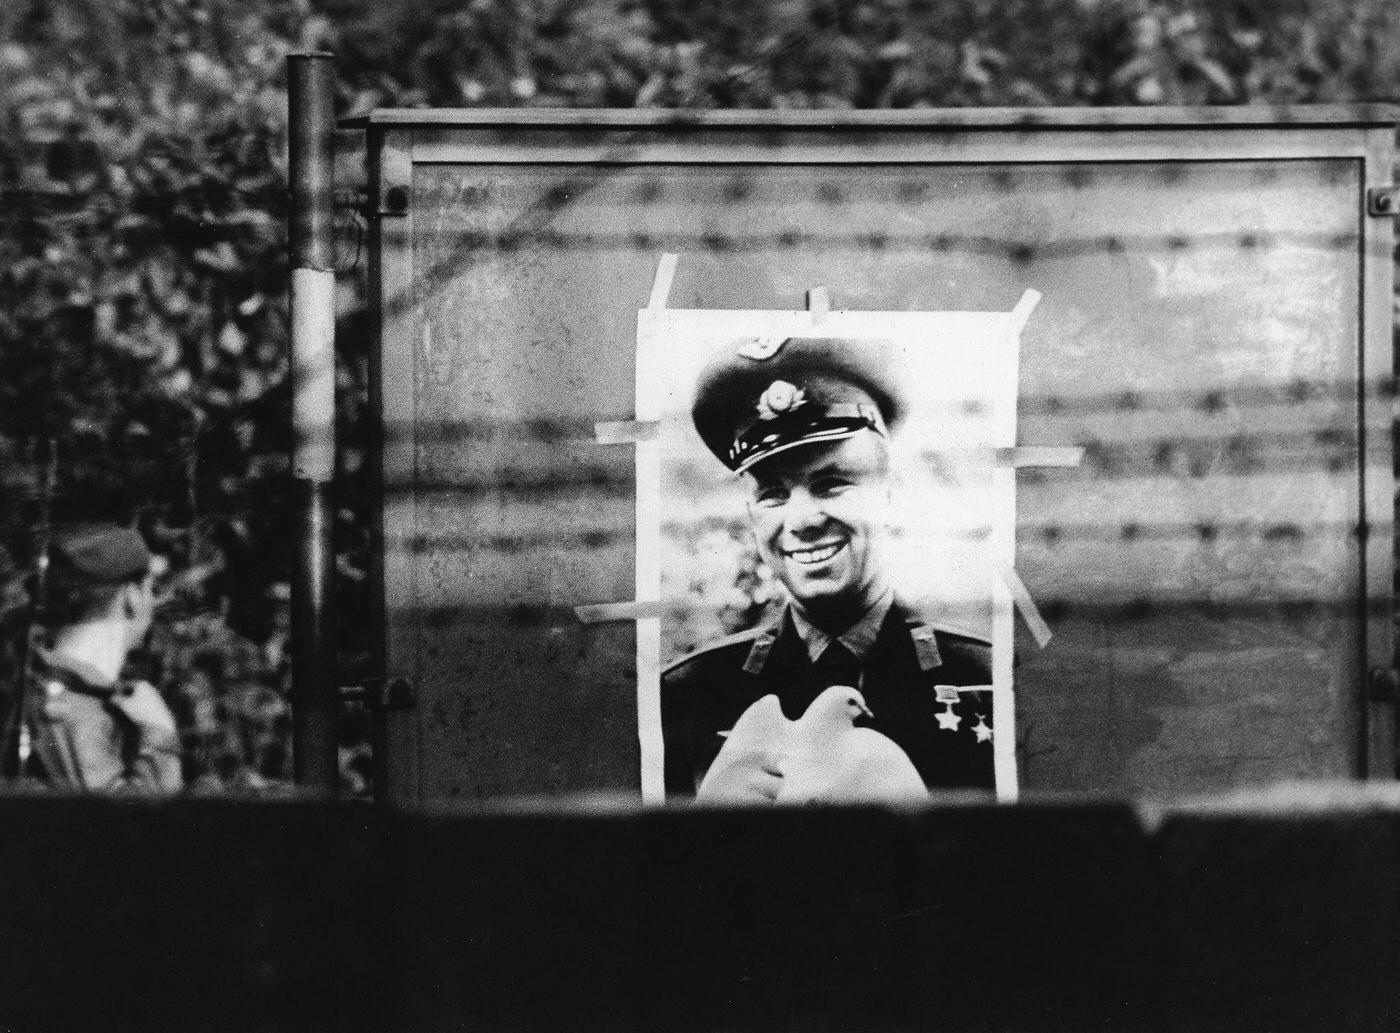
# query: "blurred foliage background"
143,271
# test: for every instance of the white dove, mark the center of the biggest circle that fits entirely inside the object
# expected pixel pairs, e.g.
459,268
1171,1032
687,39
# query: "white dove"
749,765
830,760
819,758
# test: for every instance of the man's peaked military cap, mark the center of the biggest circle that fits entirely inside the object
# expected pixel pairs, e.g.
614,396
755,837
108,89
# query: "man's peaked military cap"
98,554
763,395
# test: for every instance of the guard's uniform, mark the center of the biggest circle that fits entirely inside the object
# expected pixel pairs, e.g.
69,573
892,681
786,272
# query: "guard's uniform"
910,681
86,730
82,740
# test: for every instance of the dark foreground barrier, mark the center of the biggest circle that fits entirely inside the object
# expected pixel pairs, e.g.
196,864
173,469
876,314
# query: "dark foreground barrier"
294,916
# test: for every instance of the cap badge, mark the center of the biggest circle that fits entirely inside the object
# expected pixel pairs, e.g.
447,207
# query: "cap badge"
761,348
780,397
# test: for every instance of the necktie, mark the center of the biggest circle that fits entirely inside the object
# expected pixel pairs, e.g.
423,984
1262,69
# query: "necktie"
838,666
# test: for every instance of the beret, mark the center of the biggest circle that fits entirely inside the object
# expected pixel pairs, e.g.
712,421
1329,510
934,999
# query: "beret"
98,554
762,395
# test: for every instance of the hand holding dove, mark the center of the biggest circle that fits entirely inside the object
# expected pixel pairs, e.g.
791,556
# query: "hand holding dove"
822,757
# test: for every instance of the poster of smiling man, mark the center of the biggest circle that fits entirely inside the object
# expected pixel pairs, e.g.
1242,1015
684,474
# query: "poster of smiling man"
824,519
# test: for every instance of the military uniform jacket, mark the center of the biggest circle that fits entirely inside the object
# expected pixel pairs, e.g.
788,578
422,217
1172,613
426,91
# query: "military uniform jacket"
703,694
83,741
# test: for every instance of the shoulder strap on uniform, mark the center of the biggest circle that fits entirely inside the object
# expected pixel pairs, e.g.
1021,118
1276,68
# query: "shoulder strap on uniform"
709,647
49,670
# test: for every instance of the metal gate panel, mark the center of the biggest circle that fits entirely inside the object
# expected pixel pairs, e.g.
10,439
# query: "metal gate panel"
1215,332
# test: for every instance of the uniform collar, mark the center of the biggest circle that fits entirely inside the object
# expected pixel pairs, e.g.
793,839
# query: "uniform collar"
784,618
77,675
859,638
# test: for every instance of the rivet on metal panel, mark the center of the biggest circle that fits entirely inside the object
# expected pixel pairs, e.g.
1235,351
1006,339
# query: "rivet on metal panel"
395,201
1382,201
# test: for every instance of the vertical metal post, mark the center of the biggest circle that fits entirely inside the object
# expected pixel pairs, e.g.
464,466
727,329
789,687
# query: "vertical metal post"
315,686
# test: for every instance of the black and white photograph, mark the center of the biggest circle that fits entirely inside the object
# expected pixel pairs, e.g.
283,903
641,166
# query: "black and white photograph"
830,477
686,516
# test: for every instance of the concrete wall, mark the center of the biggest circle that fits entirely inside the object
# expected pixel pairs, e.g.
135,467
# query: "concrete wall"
208,916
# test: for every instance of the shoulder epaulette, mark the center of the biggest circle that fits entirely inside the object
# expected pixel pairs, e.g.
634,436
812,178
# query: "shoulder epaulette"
52,674
737,638
948,631
961,635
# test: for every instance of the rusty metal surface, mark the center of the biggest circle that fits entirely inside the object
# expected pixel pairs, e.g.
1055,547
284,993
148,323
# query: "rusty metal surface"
1199,335
1190,118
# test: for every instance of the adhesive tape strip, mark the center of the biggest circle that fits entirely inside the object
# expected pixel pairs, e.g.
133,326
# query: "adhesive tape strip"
1030,613
623,432
1040,455
661,285
603,613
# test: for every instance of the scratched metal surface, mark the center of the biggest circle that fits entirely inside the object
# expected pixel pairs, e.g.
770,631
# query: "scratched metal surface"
1198,333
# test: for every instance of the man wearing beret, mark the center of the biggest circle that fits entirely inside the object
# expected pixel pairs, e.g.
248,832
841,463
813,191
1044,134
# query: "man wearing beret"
805,422
89,729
